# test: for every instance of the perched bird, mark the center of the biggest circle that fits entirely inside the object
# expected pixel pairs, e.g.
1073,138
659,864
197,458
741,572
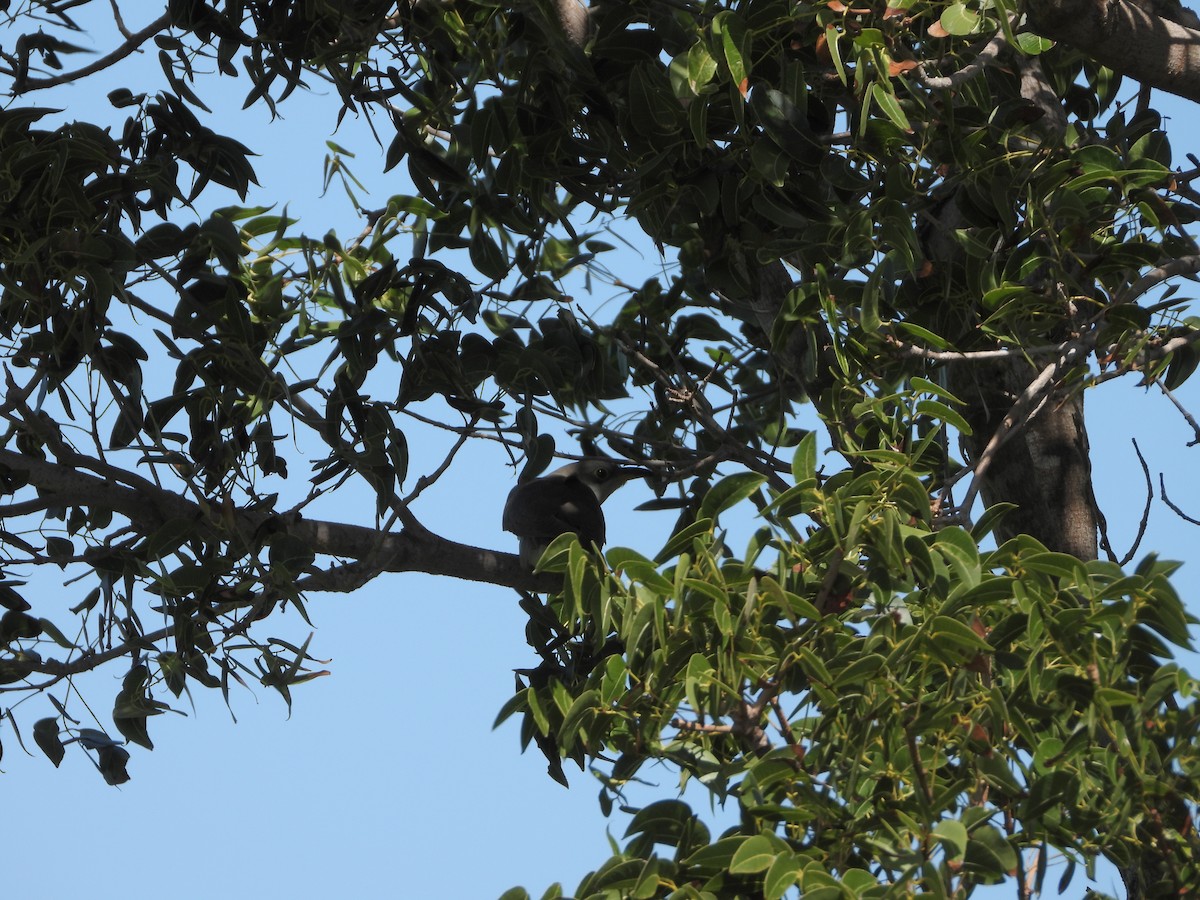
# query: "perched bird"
566,501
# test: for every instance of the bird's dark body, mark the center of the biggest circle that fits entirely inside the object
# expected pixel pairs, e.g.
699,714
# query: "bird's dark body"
566,501
559,506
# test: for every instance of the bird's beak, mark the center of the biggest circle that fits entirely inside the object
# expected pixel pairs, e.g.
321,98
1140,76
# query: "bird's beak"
628,472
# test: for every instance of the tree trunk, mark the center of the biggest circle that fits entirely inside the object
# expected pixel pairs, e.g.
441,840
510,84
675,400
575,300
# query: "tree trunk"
1043,467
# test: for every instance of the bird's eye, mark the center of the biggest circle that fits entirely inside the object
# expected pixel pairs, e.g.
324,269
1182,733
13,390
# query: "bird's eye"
602,474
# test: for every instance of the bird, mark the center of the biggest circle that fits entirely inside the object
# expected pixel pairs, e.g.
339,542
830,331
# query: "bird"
566,501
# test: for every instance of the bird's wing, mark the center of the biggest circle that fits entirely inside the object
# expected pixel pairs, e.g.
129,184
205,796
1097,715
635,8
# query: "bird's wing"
547,507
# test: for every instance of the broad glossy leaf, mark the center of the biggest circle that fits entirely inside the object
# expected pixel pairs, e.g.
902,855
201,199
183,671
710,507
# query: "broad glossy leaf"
715,857
958,19
754,855
782,875
953,834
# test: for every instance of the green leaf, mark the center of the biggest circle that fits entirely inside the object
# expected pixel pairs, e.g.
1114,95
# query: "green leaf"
996,772
989,853
537,711
654,110
887,102
991,589
991,517
583,706
45,735
953,835
961,554
613,685
697,675
957,19
814,667
15,625
716,857
51,630
835,52
60,550
794,604
945,631
942,413
859,672
486,255
729,27
1060,565
112,761
681,541
1046,756
783,874
1032,44
755,855
923,335
670,822
804,460
701,67
1152,147
728,492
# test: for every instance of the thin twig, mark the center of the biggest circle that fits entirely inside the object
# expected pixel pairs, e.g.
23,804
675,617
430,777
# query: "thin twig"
425,481
1162,491
1187,416
1146,512
693,397
118,20
784,726
915,752
700,727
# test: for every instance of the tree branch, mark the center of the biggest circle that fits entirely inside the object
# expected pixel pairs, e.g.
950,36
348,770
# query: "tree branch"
906,349
1187,416
982,60
1185,265
1162,492
24,85
405,551
1126,37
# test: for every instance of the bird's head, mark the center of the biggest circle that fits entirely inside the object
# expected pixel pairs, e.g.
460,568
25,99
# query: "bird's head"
601,476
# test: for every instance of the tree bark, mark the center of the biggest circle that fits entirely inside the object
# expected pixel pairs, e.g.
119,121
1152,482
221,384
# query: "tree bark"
1044,468
1156,42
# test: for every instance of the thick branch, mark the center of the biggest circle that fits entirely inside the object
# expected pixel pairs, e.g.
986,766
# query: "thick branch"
982,60
1126,37
1185,265
148,507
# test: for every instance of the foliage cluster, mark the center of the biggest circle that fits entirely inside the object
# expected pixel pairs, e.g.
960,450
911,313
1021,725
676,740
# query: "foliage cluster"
857,198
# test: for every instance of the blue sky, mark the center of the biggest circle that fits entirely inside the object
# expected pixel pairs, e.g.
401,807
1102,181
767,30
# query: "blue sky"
387,779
